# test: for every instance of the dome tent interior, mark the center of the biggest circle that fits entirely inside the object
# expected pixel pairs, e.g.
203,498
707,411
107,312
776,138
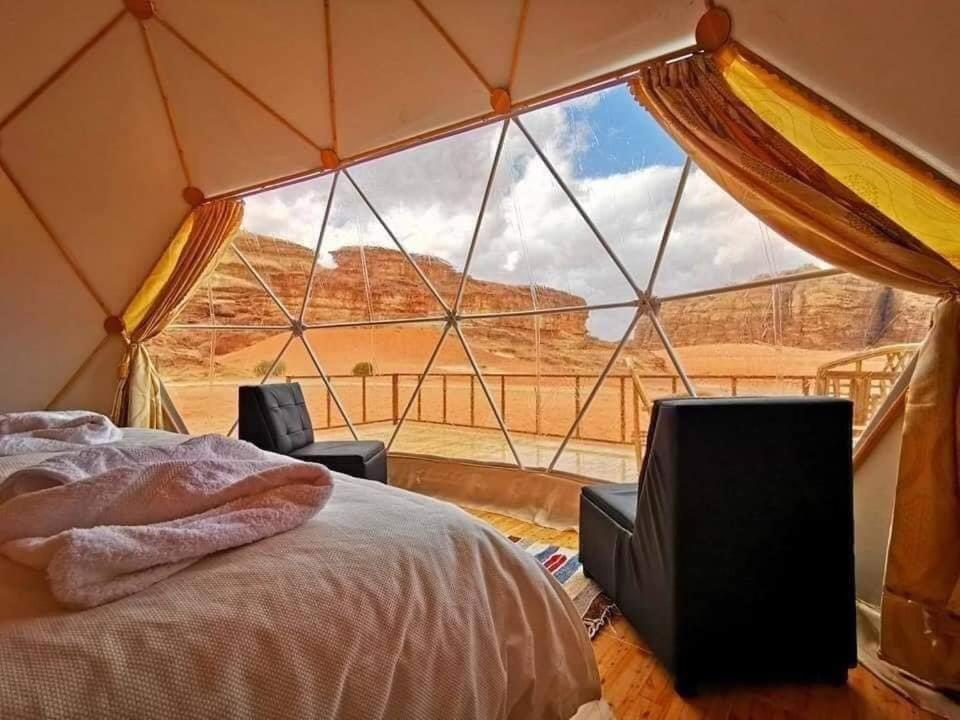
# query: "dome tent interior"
117,119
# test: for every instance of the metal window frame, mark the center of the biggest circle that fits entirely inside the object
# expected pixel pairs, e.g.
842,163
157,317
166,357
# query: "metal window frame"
646,303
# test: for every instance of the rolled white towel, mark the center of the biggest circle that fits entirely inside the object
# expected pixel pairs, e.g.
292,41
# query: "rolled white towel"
110,522
54,431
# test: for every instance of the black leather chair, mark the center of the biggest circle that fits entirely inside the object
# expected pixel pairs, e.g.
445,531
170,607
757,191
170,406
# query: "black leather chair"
275,418
733,557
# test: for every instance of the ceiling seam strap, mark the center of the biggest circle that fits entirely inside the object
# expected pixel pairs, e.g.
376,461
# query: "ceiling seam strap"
23,104
486,391
482,211
453,45
263,284
517,43
331,91
316,253
326,381
74,265
77,373
396,241
236,83
596,388
168,110
668,228
420,381
576,204
601,82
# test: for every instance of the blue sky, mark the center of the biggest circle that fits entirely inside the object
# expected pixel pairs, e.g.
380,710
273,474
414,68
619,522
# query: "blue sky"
622,136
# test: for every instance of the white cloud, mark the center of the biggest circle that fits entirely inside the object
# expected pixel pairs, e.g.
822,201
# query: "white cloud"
429,196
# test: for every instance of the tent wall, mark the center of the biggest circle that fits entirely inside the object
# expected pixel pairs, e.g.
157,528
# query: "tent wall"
874,486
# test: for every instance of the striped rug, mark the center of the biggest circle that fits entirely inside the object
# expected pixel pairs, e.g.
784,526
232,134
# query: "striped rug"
594,607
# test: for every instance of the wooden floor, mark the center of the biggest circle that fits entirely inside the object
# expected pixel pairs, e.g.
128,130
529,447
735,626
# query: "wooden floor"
637,688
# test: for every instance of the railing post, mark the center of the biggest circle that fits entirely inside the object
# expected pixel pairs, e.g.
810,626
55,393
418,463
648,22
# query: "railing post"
733,386
538,406
623,409
576,400
805,384
395,397
503,397
673,385
420,399
473,422
363,398
444,382
328,407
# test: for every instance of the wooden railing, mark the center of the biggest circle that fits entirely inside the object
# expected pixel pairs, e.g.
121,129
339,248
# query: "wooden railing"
544,404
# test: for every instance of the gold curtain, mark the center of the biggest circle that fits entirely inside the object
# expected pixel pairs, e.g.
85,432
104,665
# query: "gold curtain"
837,191
192,253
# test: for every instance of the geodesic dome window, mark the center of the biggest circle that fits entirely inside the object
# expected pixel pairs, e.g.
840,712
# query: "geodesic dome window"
519,293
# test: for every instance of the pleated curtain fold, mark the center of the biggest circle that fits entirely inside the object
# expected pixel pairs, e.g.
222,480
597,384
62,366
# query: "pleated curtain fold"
193,252
838,191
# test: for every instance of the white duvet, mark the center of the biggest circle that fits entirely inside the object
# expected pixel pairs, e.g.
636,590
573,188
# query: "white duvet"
386,604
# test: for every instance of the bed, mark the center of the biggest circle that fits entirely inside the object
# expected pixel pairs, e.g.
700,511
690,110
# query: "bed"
386,604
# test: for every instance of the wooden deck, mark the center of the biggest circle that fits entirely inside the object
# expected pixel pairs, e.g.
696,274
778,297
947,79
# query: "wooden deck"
638,689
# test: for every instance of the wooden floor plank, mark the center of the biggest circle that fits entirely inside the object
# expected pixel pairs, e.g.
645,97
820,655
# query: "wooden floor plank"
637,688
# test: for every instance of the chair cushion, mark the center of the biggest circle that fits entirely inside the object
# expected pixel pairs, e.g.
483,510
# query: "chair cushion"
361,458
274,417
617,501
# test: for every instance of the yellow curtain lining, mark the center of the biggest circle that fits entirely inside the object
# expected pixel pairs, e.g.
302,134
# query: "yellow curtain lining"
155,282
911,194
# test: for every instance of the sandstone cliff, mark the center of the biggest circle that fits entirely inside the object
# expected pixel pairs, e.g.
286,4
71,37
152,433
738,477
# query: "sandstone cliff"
841,312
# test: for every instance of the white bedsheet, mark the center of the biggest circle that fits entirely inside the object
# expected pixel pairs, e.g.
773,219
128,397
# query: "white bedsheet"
387,604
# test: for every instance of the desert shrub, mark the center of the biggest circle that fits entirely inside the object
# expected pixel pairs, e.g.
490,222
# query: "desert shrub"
260,369
363,368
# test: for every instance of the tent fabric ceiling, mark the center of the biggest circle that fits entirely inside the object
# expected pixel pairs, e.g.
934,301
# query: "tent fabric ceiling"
108,113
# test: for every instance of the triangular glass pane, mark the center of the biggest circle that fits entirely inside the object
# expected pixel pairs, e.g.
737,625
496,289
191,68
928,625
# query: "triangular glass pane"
361,275
452,417
279,237
523,371
716,242
374,371
429,196
202,370
619,416
840,335
231,296
534,249
619,164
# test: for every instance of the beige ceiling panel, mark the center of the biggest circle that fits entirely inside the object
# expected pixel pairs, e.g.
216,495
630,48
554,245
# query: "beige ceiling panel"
95,156
568,41
485,31
94,387
891,64
50,323
276,49
230,140
38,37
395,76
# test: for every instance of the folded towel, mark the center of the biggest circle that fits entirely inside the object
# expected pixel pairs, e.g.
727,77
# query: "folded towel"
108,522
55,431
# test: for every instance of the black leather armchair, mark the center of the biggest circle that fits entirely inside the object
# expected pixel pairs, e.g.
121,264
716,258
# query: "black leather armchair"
733,557
275,418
